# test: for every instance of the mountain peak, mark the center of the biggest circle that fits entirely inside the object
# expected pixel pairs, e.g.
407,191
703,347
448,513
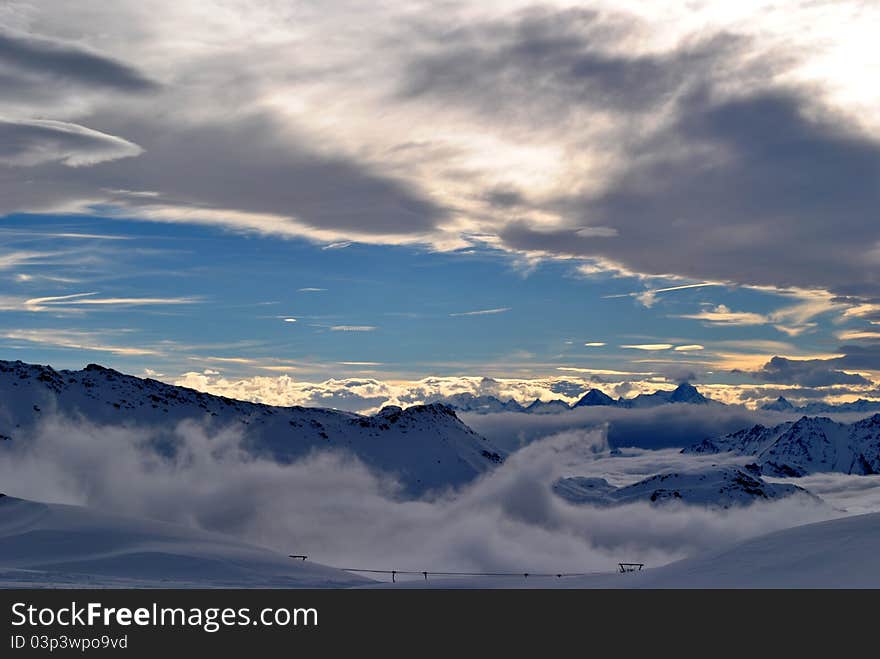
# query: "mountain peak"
778,405
594,397
687,393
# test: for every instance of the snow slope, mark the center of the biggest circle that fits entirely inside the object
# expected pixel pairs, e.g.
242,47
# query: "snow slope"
52,545
840,553
426,446
721,486
806,446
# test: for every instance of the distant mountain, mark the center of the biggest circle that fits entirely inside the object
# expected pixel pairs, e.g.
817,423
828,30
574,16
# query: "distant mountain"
426,446
717,486
779,405
593,398
806,446
467,402
551,407
684,393
860,405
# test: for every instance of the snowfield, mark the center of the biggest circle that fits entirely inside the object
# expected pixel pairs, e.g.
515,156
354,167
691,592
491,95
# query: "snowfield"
53,545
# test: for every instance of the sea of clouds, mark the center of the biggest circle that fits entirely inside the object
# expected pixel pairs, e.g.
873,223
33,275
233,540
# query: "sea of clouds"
333,508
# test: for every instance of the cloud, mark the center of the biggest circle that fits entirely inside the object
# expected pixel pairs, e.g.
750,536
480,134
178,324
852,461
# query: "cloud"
689,348
346,513
32,142
76,301
54,60
858,335
481,312
648,346
722,315
629,143
353,328
76,339
806,372
594,344
649,297
310,290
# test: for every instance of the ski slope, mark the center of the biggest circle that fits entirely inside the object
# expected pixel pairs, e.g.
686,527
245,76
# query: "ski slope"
53,545
840,553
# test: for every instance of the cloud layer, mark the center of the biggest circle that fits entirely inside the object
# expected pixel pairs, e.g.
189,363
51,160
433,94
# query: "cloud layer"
335,510
635,144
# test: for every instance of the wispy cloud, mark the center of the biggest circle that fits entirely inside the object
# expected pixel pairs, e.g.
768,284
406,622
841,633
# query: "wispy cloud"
723,315
77,340
310,289
481,312
10,260
353,328
594,344
648,346
858,335
649,297
88,299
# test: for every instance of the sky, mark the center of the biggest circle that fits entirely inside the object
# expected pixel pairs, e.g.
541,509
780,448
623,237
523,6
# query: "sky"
347,204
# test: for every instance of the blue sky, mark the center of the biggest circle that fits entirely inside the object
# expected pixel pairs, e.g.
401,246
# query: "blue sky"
213,195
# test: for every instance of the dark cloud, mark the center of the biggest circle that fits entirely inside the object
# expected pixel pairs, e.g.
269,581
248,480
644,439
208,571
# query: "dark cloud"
806,373
554,62
249,165
45,58
864,357
741,190
756,186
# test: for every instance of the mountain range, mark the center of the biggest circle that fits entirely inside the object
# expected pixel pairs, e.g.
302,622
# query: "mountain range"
487,404
717,486
860,405
806,446
426,447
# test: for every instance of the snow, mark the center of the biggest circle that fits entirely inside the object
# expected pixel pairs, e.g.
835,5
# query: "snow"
53,545
840,553
425,446
722,486
806,446
684,394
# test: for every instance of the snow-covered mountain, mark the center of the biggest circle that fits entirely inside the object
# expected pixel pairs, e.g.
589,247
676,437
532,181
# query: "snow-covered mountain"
717,486
53,545
684,393
860,405
549,407
467,402
426,446
593,398
808,445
